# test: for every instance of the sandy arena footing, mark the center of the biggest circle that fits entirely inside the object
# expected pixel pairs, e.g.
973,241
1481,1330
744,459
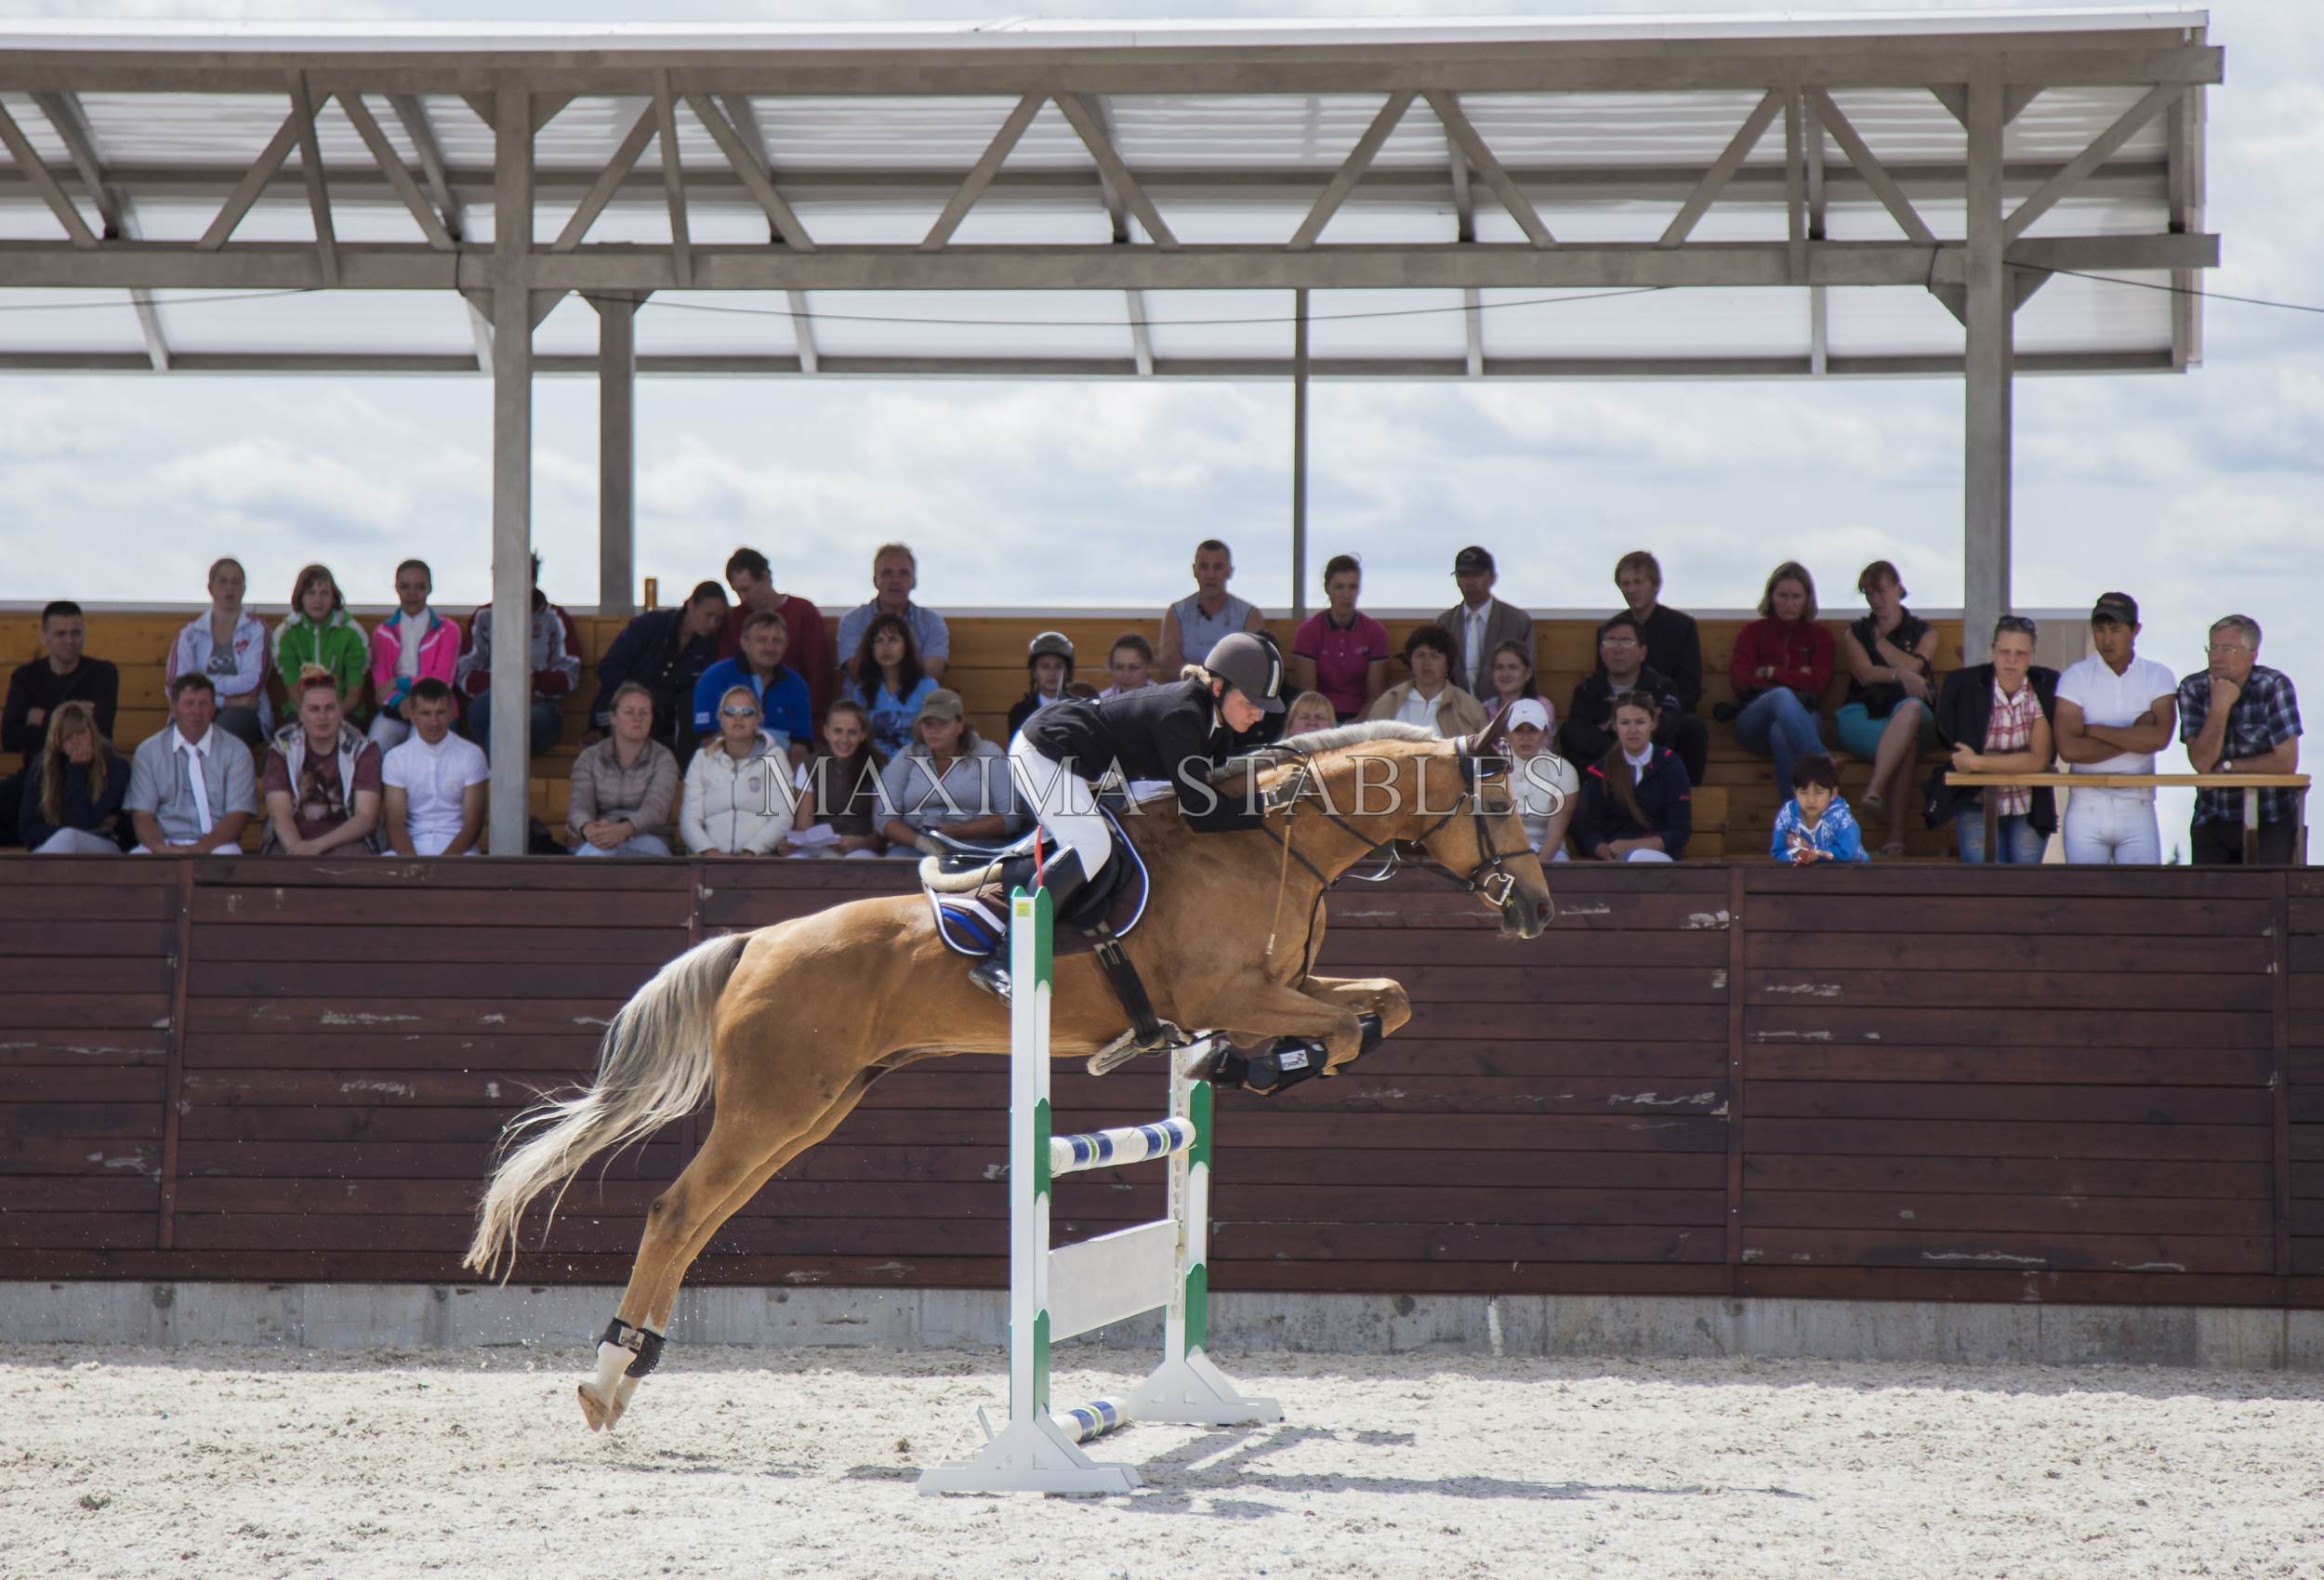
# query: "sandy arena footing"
210,1461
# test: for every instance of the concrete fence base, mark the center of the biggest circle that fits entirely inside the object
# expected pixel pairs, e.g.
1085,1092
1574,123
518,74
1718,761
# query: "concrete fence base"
339,1316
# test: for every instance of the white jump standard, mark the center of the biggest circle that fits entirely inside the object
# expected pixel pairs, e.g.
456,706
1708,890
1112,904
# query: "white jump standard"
1057,1293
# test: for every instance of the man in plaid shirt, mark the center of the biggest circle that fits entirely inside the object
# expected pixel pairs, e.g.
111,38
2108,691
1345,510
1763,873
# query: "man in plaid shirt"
2240,717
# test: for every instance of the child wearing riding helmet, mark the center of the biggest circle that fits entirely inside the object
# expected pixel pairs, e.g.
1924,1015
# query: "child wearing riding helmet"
1049,669
1178,733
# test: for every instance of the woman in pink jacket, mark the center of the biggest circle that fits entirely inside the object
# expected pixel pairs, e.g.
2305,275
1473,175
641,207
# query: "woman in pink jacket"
414,644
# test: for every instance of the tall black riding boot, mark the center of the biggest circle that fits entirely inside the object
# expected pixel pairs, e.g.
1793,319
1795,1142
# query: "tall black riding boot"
1062,880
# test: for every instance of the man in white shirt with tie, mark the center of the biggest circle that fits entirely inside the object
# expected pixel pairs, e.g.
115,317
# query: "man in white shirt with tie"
191,787
1480,622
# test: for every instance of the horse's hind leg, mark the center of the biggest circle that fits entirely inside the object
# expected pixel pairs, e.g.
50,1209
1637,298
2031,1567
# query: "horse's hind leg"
737,1159
633,1343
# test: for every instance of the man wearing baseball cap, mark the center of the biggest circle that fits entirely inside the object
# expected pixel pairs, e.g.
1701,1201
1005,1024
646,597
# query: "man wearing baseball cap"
1480,622
1178,731
2115,711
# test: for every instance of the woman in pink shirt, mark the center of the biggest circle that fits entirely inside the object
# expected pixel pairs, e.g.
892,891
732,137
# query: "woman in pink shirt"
1339,652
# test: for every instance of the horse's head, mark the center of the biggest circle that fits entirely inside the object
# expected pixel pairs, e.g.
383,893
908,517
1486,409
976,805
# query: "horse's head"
1468,827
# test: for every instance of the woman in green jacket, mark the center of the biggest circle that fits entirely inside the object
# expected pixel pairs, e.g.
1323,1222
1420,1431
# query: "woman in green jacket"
321,632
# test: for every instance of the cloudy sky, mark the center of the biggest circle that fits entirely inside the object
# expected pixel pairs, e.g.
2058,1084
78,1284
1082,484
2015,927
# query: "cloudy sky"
2198,494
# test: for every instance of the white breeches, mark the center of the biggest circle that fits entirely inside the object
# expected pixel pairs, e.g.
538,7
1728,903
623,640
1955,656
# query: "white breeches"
1063,802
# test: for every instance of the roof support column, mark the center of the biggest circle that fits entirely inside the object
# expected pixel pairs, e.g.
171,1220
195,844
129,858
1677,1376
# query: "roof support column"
617,454
1986,427
1299,454
511,746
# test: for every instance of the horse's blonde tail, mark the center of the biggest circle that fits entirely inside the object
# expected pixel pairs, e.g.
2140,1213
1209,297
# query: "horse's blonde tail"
654,1069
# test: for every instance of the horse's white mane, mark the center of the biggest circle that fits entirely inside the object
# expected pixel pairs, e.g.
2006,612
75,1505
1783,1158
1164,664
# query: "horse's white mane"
1315,742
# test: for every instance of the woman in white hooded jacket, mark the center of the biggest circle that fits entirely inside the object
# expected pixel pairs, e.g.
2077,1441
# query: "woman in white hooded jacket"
739,798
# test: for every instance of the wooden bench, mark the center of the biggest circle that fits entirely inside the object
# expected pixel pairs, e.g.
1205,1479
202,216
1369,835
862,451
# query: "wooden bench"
987,668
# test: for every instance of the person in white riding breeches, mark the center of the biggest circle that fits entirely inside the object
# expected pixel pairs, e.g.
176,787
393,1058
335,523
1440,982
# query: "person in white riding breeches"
1177,732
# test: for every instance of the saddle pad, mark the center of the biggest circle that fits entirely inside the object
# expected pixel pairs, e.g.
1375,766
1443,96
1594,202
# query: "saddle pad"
975,925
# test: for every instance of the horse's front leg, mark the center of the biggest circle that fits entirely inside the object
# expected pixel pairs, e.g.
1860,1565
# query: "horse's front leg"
1250,1009
1382,996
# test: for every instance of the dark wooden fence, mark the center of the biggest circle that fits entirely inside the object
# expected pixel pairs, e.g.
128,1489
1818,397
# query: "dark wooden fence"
1894,1083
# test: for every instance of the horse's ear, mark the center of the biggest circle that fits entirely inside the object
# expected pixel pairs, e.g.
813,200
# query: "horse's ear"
1495,727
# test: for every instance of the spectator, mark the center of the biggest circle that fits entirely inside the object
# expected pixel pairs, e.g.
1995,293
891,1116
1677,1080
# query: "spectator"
1782,663
554,658
780,693
320,634
1636,801
1586,734
433,783
665,650
894,575
1890,716
1545,786
228,644
37,688
626,786
322,781
886,679
2003,707
839,810
414,644
1510,681
1674,645
1429,698
1479,622
189,793
739,799
2240,717
808,647
1131,664
1049,669
1816,824
949,780
72,799
1192,627
1338,650
2115,711
1308,712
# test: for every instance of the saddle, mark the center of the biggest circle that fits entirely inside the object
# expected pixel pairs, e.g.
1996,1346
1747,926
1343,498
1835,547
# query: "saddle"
968,888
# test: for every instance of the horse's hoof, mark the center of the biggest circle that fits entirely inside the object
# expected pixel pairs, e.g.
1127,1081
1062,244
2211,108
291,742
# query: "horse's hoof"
594,1410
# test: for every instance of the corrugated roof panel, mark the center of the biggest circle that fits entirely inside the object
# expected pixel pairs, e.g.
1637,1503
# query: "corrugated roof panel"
411,321
1540,131
1651,325
713,323
1386,324
2074,314
1875,322
1217,325
98,321
1085,325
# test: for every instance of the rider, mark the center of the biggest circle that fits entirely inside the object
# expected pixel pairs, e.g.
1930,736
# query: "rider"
1179,732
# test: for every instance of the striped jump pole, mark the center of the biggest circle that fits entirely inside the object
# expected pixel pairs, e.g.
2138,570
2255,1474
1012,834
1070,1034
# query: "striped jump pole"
1055,1293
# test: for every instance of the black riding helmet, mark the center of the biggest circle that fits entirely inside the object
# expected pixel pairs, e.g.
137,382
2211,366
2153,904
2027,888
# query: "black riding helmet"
1050,644
1251,666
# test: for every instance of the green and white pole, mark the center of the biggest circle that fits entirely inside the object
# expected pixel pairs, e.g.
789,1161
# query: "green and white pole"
1162,1264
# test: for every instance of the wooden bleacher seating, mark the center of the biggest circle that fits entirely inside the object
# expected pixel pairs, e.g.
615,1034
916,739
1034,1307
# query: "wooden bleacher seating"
1733,808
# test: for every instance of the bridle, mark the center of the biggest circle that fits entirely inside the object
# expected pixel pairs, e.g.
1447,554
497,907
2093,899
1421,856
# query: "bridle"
1489,880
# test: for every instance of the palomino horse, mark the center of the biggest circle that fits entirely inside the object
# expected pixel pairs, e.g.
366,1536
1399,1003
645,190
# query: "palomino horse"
786,1028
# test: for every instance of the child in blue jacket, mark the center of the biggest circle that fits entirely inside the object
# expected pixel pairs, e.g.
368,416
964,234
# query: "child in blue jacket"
1816,824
